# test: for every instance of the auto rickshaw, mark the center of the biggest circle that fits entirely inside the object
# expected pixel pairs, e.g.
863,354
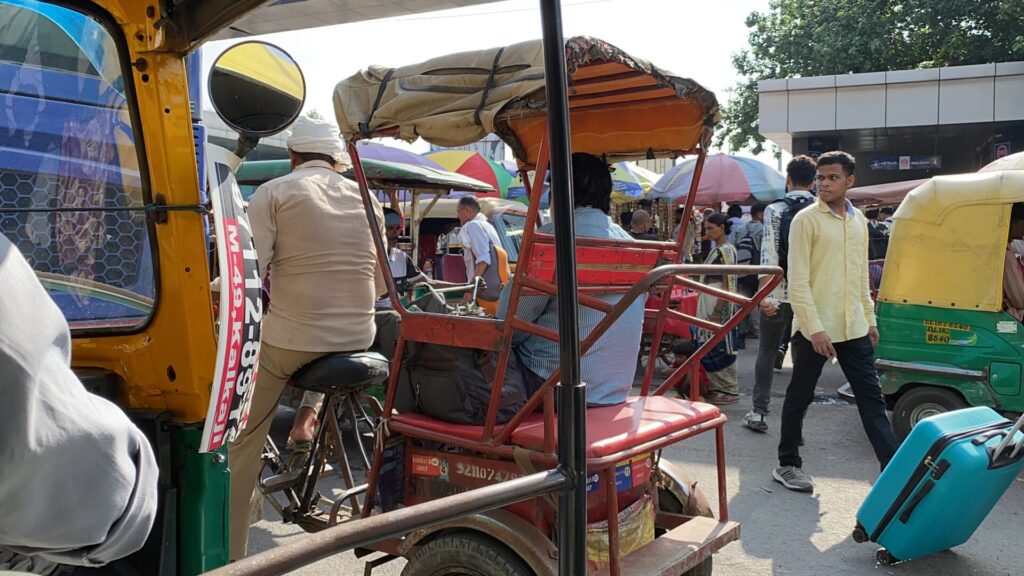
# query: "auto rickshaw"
946,341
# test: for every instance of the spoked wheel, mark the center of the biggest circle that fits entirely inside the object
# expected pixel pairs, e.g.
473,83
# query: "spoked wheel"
465,554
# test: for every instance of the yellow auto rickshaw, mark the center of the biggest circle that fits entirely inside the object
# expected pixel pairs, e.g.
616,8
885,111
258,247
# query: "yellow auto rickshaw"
946,340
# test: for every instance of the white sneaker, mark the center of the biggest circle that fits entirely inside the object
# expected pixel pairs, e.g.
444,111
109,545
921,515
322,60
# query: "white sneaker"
755,421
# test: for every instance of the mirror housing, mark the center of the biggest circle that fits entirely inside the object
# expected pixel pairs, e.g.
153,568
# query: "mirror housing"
257,89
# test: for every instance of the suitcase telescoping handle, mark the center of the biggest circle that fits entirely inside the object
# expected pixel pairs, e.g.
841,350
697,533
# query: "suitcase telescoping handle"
1008,439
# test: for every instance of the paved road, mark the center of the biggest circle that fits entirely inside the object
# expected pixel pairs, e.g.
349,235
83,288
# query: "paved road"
786,533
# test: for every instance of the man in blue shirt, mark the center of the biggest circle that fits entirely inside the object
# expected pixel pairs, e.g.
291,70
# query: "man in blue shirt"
609,366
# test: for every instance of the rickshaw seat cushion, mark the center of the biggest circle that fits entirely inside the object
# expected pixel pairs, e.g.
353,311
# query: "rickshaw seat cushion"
342,372
408,422
640,419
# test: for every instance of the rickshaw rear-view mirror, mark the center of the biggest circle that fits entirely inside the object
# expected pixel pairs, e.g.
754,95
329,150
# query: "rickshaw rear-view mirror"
257,89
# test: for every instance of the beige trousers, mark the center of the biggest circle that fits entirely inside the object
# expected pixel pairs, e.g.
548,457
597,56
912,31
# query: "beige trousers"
276,367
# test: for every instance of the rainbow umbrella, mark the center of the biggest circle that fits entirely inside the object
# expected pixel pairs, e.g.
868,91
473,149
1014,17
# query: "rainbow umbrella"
475,166
631,182
517,191
725,178
385,153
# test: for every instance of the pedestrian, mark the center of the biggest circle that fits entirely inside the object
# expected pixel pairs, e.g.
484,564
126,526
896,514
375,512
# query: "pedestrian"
775,313
748,249
886,215
878,235
834,316
737,224
310,229
640,226
480,252
720,362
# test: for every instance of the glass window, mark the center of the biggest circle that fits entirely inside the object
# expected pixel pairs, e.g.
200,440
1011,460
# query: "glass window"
71,195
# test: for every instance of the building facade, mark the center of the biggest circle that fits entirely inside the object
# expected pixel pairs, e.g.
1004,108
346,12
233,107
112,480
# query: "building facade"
901,125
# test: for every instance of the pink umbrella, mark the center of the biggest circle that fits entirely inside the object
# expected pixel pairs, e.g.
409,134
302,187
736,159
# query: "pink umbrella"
881,194
725,178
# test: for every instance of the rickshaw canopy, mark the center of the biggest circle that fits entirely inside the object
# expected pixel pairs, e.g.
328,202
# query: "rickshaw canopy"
948,242
621,107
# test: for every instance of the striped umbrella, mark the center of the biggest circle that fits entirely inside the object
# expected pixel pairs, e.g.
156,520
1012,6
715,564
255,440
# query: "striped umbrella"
726,178
383,152
517,191
631,182
475,166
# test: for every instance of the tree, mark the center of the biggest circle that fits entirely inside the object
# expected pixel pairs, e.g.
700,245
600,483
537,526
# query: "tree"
821,37
313,114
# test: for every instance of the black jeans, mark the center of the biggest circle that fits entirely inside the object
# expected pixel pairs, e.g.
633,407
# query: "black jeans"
857,359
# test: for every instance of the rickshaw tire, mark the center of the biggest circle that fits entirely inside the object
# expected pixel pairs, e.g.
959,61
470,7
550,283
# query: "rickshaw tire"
905,405
465,553
699,505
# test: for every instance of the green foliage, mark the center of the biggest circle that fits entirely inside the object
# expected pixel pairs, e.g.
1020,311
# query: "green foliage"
820,37
313,114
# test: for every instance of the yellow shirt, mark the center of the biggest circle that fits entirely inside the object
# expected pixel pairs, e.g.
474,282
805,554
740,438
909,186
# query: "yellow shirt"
828,273
311,228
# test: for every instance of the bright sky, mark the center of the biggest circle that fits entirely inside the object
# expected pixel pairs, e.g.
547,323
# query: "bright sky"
692,38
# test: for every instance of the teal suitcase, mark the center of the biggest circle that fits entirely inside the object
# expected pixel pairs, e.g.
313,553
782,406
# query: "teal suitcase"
941,484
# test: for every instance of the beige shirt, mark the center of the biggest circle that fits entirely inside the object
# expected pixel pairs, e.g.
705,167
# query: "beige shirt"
310,226
829,286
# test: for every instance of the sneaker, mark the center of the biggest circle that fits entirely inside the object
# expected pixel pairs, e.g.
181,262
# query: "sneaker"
755,422
793,478
779,357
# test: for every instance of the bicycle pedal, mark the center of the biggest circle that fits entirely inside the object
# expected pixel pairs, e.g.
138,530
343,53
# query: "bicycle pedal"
279,482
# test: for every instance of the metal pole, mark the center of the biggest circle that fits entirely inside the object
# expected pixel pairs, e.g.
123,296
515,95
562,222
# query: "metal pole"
397,523
572,416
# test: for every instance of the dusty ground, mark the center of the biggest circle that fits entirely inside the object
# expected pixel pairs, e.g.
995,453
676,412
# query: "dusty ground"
783,532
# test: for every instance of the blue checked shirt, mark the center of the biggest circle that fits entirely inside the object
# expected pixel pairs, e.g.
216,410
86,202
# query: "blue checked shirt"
610,364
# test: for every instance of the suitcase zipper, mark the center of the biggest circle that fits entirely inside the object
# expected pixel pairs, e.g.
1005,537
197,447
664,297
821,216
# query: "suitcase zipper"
924,467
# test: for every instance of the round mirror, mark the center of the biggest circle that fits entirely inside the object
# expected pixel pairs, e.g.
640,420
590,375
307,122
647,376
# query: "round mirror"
257,88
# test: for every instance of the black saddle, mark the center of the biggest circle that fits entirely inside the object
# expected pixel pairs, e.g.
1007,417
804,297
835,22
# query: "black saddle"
342,372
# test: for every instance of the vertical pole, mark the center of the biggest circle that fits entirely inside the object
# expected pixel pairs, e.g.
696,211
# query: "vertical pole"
572,502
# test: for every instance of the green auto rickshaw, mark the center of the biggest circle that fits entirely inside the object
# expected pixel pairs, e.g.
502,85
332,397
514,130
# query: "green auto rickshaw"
946,340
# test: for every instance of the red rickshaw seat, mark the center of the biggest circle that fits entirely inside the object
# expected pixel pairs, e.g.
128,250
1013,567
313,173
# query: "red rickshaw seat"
612,429
417,421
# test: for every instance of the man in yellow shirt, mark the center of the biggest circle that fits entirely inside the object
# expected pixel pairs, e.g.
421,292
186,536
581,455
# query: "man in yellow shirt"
833,314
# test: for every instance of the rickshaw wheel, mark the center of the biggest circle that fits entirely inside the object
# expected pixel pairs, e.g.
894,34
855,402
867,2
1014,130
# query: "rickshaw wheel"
465,554
920,403
668,501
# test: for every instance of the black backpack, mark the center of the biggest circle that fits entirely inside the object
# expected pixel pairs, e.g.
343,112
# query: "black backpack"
793,205
748,250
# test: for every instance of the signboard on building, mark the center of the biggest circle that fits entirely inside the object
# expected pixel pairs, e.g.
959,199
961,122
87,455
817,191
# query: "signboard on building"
906,162
1001,149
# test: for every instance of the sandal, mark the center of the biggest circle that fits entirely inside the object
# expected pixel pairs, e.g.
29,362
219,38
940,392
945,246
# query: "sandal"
721,398
298,451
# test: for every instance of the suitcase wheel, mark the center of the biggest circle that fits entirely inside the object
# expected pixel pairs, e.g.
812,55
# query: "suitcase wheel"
884,558
860,535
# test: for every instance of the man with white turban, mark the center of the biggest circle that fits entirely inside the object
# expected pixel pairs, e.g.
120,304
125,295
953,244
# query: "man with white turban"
310,229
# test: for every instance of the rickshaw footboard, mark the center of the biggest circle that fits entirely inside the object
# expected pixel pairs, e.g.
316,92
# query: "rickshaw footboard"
680,549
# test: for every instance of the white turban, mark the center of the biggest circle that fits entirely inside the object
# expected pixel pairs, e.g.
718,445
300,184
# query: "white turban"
317,137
